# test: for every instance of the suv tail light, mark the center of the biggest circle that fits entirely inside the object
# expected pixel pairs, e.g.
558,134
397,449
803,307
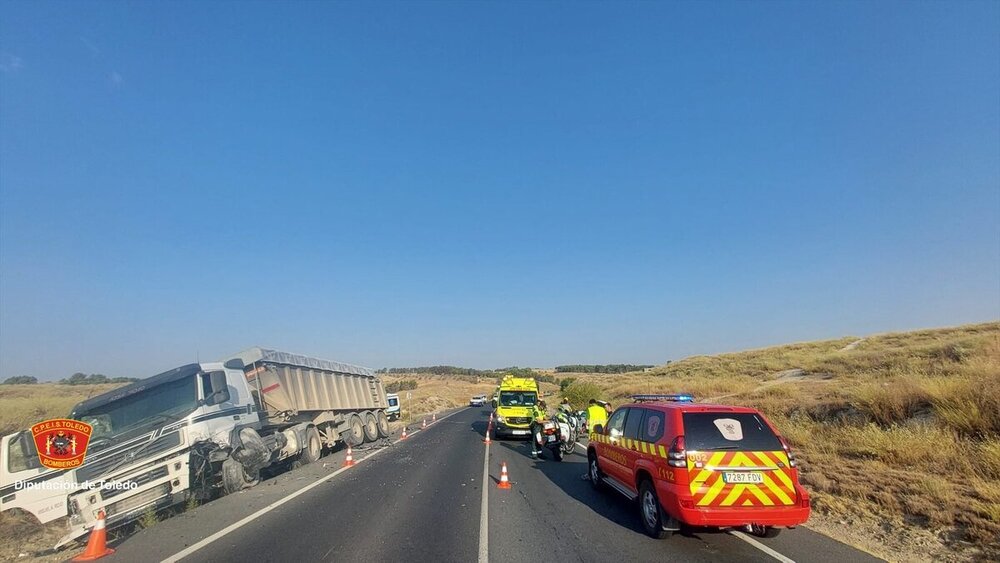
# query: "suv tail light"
676,456
788,452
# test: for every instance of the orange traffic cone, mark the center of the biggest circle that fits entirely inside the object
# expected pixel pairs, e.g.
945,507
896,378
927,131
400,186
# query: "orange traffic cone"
403,437
349,460
424,424
487,439
504,482
97,544
491,418
434,417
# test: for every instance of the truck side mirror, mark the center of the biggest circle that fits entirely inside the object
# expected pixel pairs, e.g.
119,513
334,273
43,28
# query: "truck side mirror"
218,386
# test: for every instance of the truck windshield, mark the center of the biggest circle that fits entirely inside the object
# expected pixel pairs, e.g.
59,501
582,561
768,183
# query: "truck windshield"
517,398
151,407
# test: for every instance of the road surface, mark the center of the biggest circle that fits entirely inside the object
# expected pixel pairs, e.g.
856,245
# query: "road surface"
423,499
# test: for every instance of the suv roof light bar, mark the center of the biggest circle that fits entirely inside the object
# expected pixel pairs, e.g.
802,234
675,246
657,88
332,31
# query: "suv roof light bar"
676,397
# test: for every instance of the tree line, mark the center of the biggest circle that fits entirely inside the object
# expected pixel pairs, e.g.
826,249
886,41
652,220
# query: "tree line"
75,379
596,368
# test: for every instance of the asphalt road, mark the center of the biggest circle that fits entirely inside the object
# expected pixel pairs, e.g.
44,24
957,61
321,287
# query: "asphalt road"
422,499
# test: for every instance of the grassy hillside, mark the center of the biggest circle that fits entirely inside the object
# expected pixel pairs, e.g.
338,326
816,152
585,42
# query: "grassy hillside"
899,433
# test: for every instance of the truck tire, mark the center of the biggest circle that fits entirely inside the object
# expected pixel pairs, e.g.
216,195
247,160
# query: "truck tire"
355,435
371,427
235,477
313,448
383,424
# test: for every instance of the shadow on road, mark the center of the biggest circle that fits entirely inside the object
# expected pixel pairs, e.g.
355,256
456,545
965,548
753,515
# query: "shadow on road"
569,475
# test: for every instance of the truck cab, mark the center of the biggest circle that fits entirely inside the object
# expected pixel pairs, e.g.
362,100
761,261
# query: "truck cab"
515,402
139,451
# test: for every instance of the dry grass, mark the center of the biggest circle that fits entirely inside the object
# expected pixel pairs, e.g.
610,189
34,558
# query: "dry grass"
901,431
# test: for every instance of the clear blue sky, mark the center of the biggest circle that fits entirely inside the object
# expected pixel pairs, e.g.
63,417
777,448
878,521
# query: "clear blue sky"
487,184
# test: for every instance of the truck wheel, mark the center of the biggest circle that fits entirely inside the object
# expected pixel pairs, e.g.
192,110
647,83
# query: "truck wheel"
355,435
313,447
371,427
235,477
649,511
383,424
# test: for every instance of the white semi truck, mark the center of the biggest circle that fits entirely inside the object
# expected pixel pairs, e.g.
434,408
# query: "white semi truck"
196,431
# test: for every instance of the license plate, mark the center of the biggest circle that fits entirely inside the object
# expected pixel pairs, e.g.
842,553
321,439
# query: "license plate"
519,432
552,438
750,477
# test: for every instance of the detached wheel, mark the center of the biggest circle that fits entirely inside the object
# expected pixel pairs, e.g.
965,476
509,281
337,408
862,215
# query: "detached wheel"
235,478
762,531
649,511
355,435
313,449
383,424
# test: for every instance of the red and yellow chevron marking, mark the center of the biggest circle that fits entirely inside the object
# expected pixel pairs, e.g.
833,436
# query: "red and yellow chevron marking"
709,489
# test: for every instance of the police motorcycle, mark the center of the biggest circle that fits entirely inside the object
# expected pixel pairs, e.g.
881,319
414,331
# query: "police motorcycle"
560,434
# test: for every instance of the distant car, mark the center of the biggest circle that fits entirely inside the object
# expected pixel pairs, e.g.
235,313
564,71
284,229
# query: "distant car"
698,464
477,401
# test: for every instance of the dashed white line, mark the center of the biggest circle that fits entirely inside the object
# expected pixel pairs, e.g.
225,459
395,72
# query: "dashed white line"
484,514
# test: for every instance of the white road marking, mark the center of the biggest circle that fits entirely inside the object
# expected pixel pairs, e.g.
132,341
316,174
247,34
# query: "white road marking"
761,546
484,514
582,447
237,525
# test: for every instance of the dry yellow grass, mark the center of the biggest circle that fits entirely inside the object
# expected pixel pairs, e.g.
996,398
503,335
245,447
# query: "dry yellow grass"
900,431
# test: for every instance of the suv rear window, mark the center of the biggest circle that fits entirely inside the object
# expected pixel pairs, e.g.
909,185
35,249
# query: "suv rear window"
706,431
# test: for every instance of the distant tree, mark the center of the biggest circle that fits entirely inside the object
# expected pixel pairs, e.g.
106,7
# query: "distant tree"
94,378
21,380
580,393
565,382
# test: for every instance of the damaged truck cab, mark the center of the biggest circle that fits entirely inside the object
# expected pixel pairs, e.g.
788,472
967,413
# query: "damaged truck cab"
196,431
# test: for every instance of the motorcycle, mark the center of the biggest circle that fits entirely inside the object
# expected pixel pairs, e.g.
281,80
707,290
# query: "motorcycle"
559,435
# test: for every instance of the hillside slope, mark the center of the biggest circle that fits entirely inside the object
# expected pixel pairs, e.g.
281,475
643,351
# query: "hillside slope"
899,434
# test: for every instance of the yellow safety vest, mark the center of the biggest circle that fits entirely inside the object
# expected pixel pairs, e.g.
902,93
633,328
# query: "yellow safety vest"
596,415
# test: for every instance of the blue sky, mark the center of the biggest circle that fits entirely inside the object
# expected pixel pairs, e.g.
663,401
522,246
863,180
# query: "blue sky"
487,184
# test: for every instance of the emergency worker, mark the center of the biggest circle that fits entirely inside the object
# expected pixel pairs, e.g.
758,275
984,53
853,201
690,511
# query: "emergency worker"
596,415
538,416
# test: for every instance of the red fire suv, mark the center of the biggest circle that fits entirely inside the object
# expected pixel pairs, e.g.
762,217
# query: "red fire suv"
698,464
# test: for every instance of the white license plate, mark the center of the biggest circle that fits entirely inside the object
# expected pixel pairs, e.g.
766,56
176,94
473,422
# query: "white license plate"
743,477
519,432
551,438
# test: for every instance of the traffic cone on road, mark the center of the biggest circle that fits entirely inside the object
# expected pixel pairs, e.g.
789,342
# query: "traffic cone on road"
424,424
434,417
403,437
491,418
487,439
349,460
504,482
97,544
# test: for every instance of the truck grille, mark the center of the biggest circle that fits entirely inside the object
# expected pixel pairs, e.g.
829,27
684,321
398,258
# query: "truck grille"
124,506
518,420
145,450
139,481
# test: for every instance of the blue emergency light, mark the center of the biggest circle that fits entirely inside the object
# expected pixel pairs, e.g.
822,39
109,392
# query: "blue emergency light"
675,397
